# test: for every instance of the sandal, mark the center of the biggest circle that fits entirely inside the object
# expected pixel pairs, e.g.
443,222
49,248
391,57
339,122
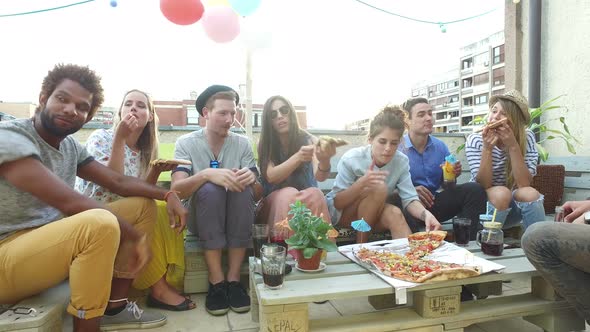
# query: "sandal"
185,305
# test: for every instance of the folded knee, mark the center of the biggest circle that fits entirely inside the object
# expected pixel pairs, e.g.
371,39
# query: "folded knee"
526,194
500,197
534,234
103,222
379,192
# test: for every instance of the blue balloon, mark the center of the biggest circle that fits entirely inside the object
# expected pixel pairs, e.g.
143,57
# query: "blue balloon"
245,7
113,3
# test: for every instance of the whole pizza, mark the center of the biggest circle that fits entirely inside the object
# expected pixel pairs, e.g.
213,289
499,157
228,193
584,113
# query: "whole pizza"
413,266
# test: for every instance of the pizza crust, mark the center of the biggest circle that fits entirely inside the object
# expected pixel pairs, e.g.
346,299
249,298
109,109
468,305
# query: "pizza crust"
324,141
171,161
448,274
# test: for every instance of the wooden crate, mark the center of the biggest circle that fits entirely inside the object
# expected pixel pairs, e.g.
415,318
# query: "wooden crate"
441,302
284,318
47,319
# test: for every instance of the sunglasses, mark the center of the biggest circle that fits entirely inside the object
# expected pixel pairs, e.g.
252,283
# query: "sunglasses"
283,109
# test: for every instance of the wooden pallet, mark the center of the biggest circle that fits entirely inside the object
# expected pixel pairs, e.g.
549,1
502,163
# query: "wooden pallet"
430,307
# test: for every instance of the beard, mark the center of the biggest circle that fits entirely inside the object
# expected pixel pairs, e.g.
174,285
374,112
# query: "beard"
48,122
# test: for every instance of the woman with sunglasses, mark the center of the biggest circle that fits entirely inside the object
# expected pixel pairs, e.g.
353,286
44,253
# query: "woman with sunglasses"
128,148
290,162
367,177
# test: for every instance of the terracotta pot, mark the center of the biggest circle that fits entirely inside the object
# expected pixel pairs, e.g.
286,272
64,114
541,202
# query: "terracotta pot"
312,263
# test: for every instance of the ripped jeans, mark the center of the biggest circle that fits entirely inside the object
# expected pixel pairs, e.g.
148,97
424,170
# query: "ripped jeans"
561,253
528,212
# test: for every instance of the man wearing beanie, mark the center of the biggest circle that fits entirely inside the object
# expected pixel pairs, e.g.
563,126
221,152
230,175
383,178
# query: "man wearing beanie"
219,186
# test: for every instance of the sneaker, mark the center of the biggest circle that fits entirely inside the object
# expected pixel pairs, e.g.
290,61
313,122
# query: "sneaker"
132,318
239,300
216,302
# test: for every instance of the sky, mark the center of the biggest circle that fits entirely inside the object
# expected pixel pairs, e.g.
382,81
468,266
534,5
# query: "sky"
340,58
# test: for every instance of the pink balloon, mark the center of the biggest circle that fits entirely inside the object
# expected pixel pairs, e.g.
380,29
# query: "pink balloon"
182,12
221,24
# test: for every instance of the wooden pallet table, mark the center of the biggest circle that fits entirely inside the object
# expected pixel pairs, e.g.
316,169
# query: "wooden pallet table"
430,307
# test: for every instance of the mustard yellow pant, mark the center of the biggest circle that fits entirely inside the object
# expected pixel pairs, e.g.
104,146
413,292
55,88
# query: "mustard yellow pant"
167,254
82,246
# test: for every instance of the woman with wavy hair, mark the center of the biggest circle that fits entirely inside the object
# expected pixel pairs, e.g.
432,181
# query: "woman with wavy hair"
369,175
504,160
129,147
291,163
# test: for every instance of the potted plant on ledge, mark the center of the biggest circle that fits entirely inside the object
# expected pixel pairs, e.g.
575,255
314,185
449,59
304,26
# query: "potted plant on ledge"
310,238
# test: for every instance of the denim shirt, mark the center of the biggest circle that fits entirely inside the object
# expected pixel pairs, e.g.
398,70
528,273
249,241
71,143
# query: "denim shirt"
354,164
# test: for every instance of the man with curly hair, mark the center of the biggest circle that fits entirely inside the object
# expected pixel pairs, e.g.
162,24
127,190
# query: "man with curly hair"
49,232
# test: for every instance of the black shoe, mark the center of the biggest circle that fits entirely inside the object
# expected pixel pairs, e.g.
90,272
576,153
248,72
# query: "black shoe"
239,300
217,303
466,294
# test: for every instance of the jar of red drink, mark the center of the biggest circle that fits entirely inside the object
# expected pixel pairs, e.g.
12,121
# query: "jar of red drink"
491,238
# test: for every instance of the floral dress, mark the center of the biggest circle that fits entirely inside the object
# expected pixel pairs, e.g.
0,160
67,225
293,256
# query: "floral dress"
100,145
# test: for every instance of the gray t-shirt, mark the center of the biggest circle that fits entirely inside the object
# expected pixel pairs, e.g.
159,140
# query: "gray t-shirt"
236,152
18,209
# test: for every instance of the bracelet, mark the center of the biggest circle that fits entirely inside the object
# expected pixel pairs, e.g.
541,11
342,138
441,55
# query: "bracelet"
170,192
323,170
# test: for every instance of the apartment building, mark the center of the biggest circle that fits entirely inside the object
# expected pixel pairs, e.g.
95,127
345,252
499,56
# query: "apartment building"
181,113
460,96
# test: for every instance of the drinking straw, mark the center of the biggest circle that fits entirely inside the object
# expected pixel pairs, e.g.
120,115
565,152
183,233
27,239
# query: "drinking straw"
493,219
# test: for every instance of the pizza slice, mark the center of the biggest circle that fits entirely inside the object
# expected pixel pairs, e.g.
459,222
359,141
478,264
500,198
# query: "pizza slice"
324,141
171,162
423,243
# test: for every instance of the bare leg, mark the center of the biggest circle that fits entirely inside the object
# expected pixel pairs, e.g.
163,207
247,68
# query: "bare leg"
235,259
392,219
119,290
368,206
163,292
213,260
86,325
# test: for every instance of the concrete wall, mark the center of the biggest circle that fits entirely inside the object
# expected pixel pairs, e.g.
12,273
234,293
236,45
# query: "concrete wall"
355,138
565,62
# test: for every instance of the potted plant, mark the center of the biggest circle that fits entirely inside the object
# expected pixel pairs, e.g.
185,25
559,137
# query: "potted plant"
310,237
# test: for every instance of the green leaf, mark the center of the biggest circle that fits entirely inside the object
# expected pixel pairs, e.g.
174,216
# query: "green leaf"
543,155
309,252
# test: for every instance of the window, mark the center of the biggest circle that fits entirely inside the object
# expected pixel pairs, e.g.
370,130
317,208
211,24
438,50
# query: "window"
481,79
498,76
465,120
454,114
468,101
467,82
454,99
481,99
467,63
498,54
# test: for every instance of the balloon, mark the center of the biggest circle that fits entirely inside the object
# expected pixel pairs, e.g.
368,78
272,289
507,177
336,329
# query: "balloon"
221,24
113,3
182,12
245,7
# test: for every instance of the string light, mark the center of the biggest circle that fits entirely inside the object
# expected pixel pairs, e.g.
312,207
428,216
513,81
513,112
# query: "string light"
46,9
442,25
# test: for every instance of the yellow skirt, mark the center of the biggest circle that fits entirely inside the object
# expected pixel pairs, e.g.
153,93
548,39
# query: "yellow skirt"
167,254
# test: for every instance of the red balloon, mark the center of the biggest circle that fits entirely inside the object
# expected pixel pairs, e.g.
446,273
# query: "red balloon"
182,12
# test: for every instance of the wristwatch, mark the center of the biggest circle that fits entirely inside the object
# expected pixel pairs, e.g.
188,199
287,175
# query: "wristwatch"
587,218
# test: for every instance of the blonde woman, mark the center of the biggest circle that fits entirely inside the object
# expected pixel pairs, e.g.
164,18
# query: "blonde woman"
504,160
128,148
